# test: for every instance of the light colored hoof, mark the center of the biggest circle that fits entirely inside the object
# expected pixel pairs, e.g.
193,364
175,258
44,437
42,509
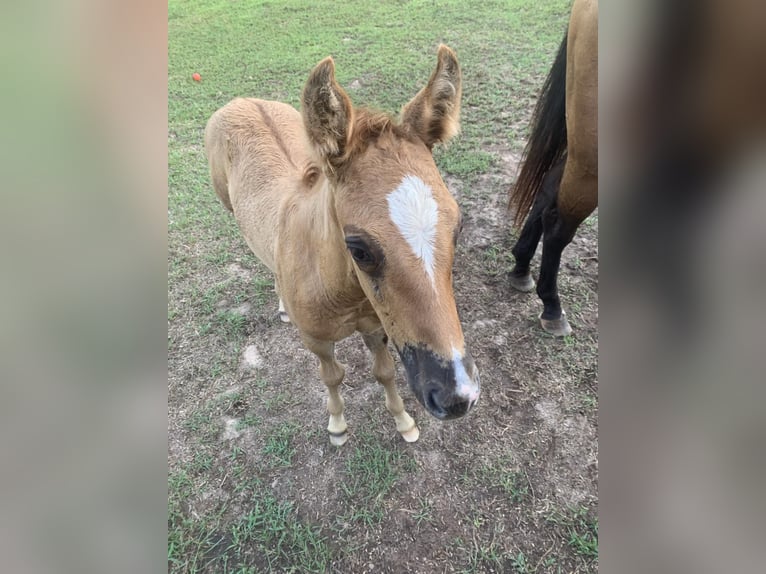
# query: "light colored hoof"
524,284
557,327
338,439
411,435
283,316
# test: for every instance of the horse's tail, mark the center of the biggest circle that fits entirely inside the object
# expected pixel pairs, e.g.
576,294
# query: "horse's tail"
548,141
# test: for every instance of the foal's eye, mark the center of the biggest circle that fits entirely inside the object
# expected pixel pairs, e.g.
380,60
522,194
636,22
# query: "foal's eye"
366,252
361,256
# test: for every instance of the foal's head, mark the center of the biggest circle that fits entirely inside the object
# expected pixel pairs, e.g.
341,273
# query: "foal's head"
400,223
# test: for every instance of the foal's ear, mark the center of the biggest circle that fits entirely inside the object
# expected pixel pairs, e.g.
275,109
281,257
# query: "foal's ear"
327,113
434,113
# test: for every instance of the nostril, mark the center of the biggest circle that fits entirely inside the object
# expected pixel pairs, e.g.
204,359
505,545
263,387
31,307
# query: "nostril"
458,408
433,405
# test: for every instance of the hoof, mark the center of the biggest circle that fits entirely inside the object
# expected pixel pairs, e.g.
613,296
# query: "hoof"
338,439
557,327
283,316
524,284
411,435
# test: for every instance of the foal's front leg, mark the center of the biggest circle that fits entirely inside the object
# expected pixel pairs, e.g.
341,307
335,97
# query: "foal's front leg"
384,372
331,372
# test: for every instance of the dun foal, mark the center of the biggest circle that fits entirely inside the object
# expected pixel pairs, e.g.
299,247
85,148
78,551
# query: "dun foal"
347,208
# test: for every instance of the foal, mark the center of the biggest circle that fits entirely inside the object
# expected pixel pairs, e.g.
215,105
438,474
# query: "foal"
347,208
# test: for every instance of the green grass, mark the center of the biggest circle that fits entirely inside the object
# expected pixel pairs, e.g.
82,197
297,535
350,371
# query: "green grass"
581,529
460,160
279,449
268,537
202,422
249,420
497,262
424,513
501,474
372,469
519,563
483,557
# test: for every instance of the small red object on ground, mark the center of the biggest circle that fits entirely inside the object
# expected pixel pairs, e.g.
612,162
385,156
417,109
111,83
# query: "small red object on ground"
196,77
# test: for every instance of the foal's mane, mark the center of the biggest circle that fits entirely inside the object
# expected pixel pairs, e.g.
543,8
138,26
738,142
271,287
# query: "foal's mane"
370,125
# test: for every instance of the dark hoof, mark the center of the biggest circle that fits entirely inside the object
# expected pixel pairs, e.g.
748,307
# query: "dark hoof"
557,327
524,283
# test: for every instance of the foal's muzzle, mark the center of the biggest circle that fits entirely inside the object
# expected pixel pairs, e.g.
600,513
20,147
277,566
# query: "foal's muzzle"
447,387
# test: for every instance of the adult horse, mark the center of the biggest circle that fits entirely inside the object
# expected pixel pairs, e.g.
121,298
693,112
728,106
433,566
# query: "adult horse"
346,206
559,175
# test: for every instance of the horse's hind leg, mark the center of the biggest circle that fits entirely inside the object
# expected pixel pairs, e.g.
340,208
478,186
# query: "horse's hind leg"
560,222
520,277
331,372
384,372
525,247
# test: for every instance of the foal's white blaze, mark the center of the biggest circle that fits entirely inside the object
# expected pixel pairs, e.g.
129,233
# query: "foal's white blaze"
465,387
413,210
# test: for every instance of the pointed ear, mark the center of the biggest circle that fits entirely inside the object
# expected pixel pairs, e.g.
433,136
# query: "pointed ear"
327,113
434,113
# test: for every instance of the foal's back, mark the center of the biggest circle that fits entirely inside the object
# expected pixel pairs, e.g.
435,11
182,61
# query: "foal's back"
258,154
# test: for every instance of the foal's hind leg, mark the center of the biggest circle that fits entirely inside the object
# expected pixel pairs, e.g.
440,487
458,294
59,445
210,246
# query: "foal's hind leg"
283,316
525,247
383,370
331,372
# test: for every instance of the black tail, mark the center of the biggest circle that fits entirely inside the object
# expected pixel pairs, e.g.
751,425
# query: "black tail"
548,141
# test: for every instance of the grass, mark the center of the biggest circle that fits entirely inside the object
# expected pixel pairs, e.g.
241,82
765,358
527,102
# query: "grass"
424,513
519,563
278,449
269,534
264,502
372,470
501,474
484,559
581,530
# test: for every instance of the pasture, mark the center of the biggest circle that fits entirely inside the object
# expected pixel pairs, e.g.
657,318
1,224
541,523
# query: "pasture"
253,482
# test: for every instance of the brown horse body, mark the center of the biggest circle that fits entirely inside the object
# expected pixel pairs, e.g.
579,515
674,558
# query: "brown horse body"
559,175
348,209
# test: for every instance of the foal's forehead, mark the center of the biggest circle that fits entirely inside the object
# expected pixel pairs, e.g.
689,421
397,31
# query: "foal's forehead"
405,170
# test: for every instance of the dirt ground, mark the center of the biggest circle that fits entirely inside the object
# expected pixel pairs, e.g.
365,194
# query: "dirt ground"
512,487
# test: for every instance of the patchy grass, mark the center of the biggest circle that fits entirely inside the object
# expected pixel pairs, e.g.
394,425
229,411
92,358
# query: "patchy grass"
253,484
581,530
371,472
269,535
484,559
279,450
